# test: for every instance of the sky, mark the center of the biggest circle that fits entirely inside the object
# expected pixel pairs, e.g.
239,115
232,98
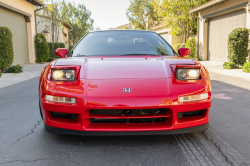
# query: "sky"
107,13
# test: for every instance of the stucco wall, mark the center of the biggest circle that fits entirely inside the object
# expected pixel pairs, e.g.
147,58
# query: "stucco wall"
29,8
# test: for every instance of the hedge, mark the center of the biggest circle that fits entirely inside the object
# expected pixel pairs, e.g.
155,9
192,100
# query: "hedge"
6,48
230,65
70,48
238,41
246,67
42,48
56,46
191,44
51,49
14,69
61,45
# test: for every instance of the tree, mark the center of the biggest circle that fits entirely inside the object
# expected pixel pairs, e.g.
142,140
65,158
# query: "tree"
175,14
79,19
141,14
52,16
97,29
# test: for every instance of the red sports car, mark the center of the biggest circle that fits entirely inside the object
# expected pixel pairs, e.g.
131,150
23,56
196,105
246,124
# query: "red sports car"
124,82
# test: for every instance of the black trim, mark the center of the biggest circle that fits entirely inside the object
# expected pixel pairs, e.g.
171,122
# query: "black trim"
195,129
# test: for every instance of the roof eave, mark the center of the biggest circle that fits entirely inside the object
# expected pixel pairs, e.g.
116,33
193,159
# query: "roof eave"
36,2
203,7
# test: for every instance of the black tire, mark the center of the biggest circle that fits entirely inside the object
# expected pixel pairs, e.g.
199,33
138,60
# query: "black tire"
40,111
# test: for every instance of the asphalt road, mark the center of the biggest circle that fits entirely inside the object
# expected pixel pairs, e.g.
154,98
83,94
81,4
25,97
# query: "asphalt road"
23,140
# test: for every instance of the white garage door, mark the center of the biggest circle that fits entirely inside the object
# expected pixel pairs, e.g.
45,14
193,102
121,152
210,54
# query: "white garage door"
17,24
166,36
219,29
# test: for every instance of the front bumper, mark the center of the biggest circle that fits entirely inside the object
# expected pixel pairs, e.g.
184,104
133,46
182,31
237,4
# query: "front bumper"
83,124
195,129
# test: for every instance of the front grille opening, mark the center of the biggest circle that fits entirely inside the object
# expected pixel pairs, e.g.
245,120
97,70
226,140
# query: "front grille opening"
189,114
64,115
139,120
128,111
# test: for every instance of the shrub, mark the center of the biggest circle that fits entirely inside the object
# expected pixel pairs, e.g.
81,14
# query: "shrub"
177,46
14,69
191,44
51,49
61,45
51,59
6,48
246,67
0,74
56,46
230,65
238,41
42,48
183,45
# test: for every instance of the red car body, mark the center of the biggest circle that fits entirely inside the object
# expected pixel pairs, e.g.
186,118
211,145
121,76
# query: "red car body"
99,87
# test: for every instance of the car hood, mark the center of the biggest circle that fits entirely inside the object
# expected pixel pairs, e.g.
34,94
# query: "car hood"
124,67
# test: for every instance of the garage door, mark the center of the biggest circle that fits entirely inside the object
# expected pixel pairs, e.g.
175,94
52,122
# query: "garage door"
18,27
219,29
166,36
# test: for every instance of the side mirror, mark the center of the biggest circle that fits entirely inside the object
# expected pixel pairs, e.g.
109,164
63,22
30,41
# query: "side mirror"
62,52
184,52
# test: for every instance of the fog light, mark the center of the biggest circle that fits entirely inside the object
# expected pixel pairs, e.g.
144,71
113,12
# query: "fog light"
60,99
193,97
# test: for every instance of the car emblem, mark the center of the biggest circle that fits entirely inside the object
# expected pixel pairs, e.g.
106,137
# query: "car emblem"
127,90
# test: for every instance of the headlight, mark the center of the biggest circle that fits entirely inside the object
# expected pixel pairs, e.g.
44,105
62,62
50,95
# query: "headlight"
193,98
63,75
188,74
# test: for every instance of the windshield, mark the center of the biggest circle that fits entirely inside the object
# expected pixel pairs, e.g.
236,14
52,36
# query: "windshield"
106,43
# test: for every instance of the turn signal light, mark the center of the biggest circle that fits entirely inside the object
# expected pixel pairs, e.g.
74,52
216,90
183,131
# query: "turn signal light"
60,99
193,98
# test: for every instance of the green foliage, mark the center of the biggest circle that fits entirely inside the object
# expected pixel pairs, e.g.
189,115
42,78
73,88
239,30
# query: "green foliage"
191,44
79,19
14,69
75,15
176,14
56,46
70,48
138,12
0,74
238,41
51,49
177,46
61,45
42,48
230,65
6,48
246,67
51,59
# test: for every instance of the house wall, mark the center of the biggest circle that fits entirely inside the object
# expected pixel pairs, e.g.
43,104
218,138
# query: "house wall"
176,40
24,7
205,15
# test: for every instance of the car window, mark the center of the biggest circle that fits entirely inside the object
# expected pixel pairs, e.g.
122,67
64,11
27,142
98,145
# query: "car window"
106,43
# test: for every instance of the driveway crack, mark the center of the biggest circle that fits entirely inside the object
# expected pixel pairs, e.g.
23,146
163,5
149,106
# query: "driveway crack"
31,131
